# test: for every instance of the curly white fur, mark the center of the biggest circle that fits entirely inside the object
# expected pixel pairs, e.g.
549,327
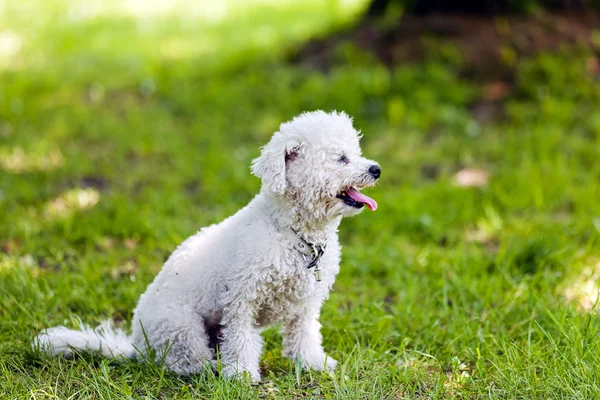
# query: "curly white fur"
229,281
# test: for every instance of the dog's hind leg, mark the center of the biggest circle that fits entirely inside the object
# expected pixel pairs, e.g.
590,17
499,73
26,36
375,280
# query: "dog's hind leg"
181,343
187,353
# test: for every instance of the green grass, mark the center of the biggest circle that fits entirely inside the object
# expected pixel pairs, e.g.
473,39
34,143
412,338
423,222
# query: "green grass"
124,131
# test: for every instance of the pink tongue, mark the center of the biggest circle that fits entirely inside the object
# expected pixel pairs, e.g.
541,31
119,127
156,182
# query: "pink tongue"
361,198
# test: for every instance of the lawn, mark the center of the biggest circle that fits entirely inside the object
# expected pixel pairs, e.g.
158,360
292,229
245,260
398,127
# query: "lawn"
127,126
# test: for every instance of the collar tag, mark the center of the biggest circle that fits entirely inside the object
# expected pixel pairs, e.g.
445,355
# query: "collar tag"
311,253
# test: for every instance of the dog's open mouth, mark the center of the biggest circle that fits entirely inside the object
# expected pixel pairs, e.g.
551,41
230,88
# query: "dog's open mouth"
356,199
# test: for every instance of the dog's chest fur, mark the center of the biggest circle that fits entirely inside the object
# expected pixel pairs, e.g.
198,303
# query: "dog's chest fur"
283,289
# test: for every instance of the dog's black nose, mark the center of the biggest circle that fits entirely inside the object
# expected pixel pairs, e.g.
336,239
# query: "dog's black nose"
375,171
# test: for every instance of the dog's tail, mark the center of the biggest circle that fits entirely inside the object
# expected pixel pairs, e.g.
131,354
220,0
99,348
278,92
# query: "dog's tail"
105,338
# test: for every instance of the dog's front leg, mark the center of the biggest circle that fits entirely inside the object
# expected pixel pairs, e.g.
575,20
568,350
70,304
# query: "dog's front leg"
242,344
302,338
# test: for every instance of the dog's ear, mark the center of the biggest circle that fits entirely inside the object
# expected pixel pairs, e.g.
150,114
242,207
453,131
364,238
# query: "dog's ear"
270,165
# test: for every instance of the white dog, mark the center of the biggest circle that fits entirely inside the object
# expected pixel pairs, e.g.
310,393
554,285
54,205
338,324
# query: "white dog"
274,261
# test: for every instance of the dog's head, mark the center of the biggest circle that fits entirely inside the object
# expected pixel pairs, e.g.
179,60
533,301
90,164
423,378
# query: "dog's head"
315,162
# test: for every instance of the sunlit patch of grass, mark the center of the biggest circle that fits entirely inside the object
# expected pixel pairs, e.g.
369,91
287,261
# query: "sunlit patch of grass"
213,33
24,262
16,160
70,202
584,289
10,44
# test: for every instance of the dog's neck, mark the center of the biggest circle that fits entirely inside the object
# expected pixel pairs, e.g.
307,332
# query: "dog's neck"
288,216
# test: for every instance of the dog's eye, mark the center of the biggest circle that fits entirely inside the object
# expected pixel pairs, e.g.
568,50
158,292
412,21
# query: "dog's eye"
343,159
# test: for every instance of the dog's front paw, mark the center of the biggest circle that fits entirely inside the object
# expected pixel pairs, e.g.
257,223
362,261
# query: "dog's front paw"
330,363
323,362
327,364
231,372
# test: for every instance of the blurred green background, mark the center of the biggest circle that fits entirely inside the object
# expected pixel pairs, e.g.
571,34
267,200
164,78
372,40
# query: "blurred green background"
125,126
